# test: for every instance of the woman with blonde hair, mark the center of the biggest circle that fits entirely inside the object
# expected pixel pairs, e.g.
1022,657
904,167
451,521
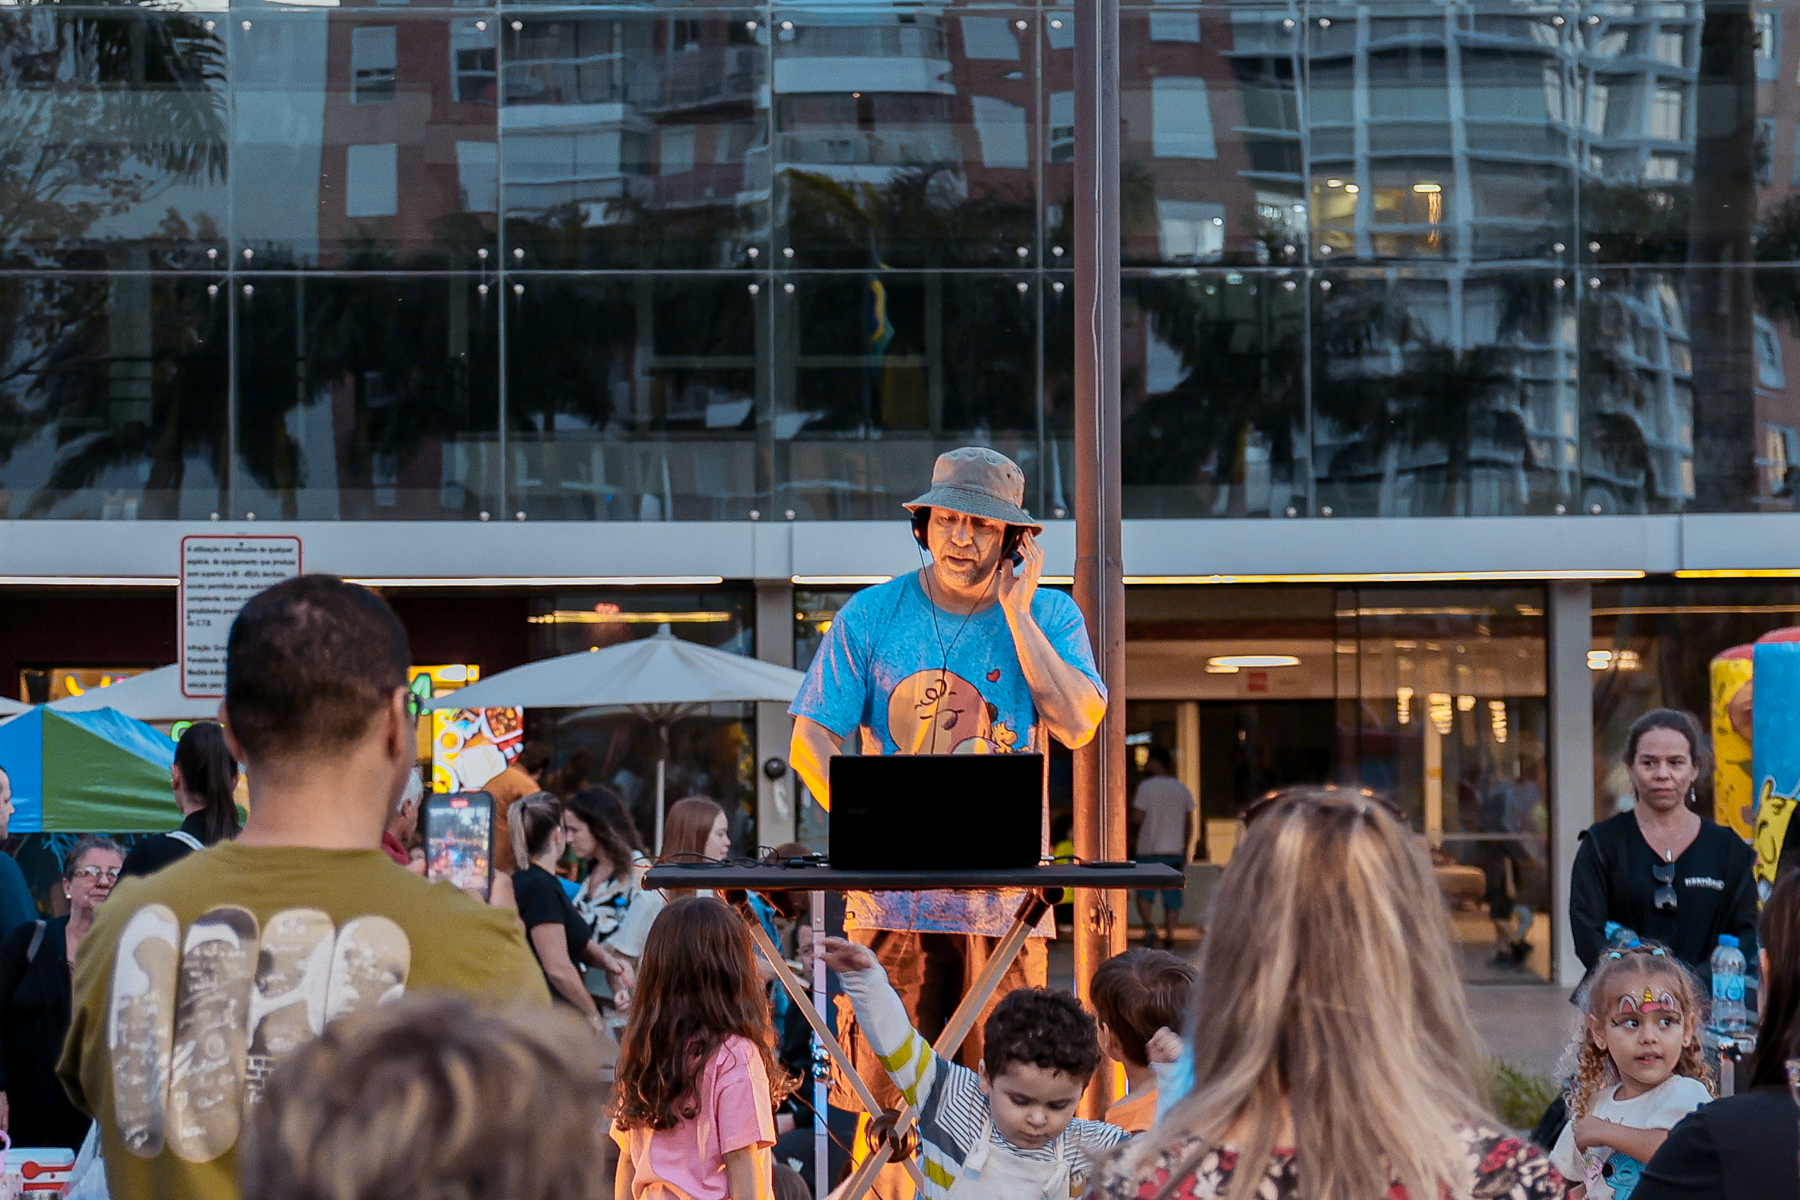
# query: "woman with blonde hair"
1332,1052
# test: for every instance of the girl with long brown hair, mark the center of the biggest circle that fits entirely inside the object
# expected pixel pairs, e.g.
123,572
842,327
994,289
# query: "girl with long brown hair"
1638,1068
697,1075
696,828
1333,1054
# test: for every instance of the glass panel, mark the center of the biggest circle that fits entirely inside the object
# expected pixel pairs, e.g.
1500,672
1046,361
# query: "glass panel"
365,140
634,398
1653,646
1444,394
709,753
892,370
115,143
1214,394
1440,133
903,138
112,397
636,140
367,398
1212,146
1448,718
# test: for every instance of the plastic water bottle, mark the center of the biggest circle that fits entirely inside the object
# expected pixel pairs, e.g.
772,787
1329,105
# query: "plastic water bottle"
1728,1015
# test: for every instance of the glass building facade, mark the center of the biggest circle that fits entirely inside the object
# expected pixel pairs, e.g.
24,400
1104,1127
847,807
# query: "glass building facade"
560,321
425,261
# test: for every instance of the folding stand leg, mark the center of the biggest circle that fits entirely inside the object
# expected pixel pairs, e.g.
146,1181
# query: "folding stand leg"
957,1028
822,1031
821,1088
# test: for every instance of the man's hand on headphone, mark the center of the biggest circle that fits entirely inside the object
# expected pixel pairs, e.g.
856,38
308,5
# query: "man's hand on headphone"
1017,588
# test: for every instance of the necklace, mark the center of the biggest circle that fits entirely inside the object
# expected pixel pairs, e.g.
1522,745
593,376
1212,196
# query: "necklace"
932,604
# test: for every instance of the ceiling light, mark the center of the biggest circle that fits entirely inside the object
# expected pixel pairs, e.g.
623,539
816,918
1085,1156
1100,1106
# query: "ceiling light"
1235,661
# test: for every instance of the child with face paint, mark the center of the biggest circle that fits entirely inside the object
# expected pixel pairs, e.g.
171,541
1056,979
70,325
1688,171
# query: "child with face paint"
1638,1071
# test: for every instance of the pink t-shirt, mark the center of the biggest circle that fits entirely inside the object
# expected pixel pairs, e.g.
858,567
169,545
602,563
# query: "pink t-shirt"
688,1161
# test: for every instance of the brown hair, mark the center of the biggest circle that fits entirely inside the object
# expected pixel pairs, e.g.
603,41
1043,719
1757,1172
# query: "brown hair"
697,985
530,820
432,1098
1330,987
688,825
1593,1068
1779,934
309,664
1137,993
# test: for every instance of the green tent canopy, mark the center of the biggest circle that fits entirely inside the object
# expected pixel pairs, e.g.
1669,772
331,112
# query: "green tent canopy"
87,772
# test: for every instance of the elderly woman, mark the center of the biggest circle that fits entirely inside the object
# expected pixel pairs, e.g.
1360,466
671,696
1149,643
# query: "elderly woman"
35,962
1332,1053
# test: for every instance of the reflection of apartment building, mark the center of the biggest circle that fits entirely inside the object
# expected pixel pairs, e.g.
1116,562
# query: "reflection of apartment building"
1466,142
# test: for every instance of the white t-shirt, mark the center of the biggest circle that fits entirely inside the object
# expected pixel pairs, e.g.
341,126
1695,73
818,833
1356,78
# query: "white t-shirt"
1165,802
1662,1107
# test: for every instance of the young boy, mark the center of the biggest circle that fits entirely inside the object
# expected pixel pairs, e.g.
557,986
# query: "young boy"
1011,1123
1139,997
194,982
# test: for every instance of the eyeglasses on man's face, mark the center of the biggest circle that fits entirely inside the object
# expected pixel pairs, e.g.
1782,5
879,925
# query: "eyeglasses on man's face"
110,874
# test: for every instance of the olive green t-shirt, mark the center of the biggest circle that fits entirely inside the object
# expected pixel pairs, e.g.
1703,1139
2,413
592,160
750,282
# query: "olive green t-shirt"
195,981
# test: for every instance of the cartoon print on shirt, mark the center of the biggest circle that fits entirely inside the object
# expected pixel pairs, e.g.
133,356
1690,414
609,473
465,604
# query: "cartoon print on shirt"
940,712
194,1033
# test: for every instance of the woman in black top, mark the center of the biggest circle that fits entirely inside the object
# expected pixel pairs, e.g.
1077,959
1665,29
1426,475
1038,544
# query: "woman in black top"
204,779
35,1002
561,940
1662,870
1746,1147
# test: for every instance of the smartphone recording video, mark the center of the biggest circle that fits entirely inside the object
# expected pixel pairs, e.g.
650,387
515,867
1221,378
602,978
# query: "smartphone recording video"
459,840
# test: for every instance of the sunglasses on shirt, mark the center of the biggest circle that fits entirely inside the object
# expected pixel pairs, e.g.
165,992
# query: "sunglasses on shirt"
1664,898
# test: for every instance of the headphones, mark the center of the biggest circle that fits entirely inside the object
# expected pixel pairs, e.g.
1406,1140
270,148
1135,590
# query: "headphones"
1009,546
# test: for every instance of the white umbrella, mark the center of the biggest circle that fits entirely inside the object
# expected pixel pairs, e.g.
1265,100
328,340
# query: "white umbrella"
660,678
153,696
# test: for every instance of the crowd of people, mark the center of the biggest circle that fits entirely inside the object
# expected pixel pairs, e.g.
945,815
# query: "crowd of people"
284,1008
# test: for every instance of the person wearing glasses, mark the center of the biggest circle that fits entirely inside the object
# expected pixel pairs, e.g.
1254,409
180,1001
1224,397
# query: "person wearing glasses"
1663,870
36,960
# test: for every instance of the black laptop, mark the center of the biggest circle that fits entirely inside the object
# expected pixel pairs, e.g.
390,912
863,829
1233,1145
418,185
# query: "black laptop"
936,812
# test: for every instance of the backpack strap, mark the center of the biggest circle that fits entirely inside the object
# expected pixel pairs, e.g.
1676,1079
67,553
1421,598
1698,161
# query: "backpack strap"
187,839
37,939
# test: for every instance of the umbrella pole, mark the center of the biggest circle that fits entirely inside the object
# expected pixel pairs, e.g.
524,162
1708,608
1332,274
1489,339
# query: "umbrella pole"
662,763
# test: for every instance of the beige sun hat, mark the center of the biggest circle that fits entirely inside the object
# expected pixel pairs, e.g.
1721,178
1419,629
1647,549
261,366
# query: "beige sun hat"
981,483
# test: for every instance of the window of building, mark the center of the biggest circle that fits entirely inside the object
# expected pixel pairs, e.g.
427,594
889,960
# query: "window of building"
677,149
1781,455
1181,119
371,180
472,65
1190,230
1062,127
989,38
1768,356
478,176
1768,44
1598,96
1001,129
374,58
1665,114
1671,47
1764,150
1174,26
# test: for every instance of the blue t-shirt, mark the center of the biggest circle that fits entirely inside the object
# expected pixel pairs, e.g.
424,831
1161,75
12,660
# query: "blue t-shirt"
915,679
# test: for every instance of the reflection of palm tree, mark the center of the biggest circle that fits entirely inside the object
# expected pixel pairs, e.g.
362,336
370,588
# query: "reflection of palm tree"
109,104
1242,375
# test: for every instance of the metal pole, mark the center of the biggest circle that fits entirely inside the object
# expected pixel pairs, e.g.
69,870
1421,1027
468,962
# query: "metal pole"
822,1180
1099,566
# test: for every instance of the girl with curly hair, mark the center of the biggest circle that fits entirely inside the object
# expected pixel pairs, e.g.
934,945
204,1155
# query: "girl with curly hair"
1638,1069
697,1078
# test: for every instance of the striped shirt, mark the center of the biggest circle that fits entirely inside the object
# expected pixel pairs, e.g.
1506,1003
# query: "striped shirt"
948,1098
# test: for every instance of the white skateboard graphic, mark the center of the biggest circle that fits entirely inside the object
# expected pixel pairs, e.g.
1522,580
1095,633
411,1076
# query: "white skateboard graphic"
212,1034
140,1023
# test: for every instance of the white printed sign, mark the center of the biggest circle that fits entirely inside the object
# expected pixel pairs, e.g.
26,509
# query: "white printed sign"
219,573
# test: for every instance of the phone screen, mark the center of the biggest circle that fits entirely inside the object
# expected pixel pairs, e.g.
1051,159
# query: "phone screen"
459,840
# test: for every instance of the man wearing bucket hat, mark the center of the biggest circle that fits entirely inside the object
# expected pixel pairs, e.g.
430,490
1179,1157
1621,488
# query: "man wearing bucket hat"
966,656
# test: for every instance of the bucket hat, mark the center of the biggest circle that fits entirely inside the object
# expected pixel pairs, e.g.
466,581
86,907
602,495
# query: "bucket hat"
979,482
